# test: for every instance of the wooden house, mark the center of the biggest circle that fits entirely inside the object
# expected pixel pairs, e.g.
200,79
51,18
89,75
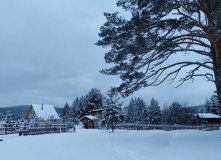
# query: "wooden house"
97,112
43,112
208,118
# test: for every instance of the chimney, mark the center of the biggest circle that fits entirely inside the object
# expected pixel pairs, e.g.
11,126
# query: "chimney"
42,107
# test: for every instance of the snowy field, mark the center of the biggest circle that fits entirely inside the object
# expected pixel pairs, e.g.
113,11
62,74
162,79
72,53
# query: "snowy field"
120,145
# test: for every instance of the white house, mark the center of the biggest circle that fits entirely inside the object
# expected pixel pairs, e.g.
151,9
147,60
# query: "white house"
42,111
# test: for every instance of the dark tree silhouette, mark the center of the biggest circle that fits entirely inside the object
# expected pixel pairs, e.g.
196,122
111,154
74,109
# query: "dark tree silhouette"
148,48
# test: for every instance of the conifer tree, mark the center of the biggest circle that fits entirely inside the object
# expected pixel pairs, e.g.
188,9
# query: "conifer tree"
66,113
113,100
95,99
214,105
136,111
154,113
207,106
177,114
130,113
83,106
143,46
76,110
113,108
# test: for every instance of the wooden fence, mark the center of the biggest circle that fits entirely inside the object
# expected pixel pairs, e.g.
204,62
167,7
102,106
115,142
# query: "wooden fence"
35,128
59,127
132,126
9,128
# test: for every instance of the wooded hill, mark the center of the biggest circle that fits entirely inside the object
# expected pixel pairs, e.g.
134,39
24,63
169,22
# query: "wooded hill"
21,110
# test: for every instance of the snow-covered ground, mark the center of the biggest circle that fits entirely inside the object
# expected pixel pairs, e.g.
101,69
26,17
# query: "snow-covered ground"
120,145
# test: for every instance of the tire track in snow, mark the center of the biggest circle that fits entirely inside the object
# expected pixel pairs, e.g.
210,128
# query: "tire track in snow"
128,153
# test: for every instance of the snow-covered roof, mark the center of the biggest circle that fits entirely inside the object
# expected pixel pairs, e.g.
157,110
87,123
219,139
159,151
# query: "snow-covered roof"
96,110
90,117
45,111
208,115
115,110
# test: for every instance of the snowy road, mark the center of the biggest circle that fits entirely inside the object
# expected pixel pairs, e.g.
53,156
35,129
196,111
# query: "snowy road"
121,145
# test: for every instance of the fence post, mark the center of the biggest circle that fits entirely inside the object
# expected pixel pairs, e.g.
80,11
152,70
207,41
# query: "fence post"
46,127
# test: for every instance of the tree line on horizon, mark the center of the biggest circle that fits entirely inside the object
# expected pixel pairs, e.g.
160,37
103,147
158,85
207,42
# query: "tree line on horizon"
137,111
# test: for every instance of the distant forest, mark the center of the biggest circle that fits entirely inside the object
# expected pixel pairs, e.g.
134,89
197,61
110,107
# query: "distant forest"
137,111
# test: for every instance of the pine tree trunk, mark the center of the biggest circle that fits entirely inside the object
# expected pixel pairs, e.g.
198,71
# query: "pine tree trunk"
216,52
218,86
215,43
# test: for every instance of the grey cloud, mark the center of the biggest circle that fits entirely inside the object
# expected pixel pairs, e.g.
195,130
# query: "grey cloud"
47,54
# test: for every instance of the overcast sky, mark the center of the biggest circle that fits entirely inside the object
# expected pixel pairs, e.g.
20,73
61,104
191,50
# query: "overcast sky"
47,55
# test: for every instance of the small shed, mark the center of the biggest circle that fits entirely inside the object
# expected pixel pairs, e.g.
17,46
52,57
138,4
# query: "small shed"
42,112
208,118
88,121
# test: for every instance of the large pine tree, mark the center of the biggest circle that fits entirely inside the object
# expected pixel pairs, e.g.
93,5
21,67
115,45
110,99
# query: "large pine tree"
148,48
